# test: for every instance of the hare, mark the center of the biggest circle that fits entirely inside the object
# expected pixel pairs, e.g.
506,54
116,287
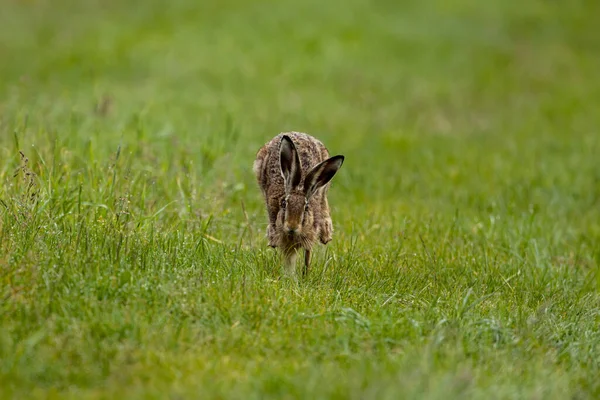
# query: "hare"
293,171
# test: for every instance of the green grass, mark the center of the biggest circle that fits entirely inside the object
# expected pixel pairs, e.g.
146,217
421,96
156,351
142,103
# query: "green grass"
133,262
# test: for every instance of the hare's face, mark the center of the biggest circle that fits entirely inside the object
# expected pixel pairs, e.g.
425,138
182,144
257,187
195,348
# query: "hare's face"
296,213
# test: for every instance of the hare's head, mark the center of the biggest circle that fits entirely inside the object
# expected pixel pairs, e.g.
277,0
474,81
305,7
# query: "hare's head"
295,209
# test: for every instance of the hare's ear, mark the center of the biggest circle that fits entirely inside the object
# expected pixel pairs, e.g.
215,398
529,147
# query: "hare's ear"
321,174
290,164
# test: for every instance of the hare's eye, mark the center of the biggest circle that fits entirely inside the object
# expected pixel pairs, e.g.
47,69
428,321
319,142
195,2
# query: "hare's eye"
283,203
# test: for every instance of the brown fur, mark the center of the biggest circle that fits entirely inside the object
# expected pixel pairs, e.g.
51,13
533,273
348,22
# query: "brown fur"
305,225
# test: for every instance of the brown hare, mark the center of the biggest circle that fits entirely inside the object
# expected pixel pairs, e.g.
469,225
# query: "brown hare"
293,171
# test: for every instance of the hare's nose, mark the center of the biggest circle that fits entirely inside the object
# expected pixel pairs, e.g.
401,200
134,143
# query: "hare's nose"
290,230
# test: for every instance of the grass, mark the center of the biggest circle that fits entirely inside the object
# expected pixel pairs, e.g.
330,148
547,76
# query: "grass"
133,262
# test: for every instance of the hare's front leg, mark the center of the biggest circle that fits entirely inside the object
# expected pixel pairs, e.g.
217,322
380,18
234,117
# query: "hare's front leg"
326,228
271,229
289,263
271,236
306,261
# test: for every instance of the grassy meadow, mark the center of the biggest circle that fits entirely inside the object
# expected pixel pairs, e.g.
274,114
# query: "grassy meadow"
133,257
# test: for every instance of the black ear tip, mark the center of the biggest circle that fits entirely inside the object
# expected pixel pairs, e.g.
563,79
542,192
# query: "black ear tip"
287,141
341,158
286,138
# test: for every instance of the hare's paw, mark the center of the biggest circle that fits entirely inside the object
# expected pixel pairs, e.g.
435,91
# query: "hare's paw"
326,233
